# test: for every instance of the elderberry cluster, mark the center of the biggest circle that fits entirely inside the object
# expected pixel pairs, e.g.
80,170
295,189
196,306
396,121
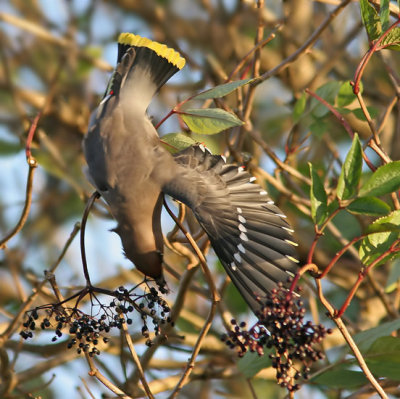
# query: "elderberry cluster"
87,331
280,326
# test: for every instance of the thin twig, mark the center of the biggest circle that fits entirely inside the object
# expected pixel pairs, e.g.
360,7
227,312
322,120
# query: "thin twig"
251,388
249,100
388,111
7,374
342,121
350,342
248,104
306,268
284,189
87,388
46,35
31,161
363,273
375,46
52,280
35,292
305,47
27,206
390,308
256,136
258,46
94,372
181,216
196,349
136,360
214,297
161,338
339,254
184,282
203,262
45,366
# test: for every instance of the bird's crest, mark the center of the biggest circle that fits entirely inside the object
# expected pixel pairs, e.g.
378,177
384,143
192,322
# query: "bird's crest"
143,66
127,40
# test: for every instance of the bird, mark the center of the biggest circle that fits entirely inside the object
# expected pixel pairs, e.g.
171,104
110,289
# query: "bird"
132,171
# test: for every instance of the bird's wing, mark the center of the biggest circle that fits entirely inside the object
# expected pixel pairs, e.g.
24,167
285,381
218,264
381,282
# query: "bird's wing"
248,232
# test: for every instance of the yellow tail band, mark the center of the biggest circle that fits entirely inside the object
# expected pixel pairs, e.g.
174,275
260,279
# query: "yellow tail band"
162,50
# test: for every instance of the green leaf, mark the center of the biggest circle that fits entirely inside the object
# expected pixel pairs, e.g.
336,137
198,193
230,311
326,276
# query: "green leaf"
175,142
370,206
209,120
332,206
385,367
383,357
235,302
351,171
384,180
385,345
359,113
299,108
371,20
386,224
344,111
366,338
375,245
9,148
394,276
318,128
348,224
341,377
212,142
251,363
392,39
345,96
222,90
384,14
186,326
328,92
319,208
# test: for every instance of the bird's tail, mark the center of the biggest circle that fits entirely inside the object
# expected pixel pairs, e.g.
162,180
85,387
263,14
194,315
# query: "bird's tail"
248,232
143,67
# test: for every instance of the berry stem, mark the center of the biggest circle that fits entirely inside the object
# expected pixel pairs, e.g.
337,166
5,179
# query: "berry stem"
310,266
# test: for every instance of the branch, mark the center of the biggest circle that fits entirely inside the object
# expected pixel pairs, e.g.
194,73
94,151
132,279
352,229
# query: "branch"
342,121
306,46
214,297
13,325
350,342
94,372
363,273
46,35
175,311
32,163
136,361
